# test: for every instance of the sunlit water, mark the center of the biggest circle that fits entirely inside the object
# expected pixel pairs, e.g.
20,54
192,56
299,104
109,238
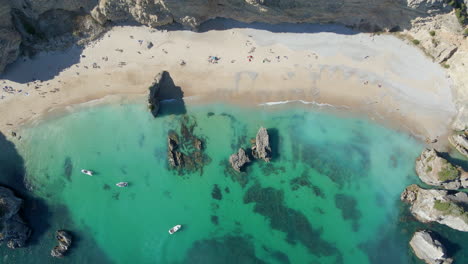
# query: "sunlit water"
330,194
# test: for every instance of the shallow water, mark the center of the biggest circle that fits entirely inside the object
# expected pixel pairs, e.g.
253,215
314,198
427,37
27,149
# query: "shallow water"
330,194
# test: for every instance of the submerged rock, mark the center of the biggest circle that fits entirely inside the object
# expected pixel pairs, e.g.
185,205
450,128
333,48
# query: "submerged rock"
428,248
262,149
460,142
174,157
444,207
64,242
239,159
435,170
13,230
153,97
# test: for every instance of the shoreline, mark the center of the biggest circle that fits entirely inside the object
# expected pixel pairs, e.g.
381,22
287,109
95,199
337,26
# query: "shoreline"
380,77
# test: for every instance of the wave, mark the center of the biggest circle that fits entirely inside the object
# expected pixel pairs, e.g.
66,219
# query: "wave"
301,101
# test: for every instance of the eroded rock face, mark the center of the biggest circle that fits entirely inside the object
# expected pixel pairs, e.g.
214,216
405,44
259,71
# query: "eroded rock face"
426,247
435,170
460,142
13,230
444,207
64,242
153,97
239,159
262,149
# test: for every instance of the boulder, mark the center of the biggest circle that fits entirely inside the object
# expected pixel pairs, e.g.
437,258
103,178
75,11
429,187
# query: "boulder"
437,171
153,97
13,230
64,242
426,247
261,148
444,207
460,142
239,159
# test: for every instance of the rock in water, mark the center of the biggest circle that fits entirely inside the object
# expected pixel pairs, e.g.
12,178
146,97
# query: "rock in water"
153,97
64,239
239,159
13,230
435,170
444,207
261,149
174,157
428,248
460,142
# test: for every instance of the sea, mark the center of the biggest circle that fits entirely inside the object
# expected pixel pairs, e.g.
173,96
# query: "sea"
330,194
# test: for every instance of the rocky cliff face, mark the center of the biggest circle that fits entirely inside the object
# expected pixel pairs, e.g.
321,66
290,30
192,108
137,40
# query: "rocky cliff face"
444,207
13,230
428,248
435,170
37,20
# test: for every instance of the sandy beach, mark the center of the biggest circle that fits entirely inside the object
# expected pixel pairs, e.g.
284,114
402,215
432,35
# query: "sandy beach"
382,76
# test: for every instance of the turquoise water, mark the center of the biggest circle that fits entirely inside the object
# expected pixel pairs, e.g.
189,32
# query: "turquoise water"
330,194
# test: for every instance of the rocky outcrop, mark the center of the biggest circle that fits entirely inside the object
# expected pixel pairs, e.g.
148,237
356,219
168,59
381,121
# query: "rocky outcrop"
261,149
426,247
13,230
435,170
460,142
185,149
64,242
239,159
444,207
153,97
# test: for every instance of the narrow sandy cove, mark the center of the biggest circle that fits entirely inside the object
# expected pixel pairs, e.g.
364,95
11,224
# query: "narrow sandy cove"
381,76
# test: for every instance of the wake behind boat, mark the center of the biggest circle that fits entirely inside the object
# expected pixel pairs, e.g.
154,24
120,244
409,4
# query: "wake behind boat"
174,229
87,172
122,184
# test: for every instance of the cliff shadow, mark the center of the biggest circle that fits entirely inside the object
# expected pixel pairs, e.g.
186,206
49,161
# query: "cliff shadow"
42,66
171,97
12,175
225,24
463,163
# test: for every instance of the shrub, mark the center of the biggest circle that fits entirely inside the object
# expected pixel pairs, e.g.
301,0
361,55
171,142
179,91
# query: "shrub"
442,206
465,32
428,169
416,42
445,65
448,173
432,33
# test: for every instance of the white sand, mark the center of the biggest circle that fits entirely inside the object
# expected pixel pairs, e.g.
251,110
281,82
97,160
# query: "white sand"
396,84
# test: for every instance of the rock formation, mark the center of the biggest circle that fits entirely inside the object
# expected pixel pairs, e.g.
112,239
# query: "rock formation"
239,159
64,242
153,97
440,206
428,248
261,148
435,170
460,142
13,230
185,150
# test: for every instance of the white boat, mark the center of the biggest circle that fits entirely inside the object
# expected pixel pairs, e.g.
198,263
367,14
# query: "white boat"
87,172
122,184
174,229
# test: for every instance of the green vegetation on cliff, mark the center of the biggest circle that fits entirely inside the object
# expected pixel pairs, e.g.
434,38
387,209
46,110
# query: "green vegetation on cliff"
448,172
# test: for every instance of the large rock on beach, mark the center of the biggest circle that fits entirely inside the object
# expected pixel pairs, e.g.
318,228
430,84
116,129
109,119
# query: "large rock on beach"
460,142
261,148
426,247
13,230
64,242
153,97
239,159
434,170
445,207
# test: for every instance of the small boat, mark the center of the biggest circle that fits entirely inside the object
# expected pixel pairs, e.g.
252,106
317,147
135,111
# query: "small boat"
174,229
87,172
122,184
